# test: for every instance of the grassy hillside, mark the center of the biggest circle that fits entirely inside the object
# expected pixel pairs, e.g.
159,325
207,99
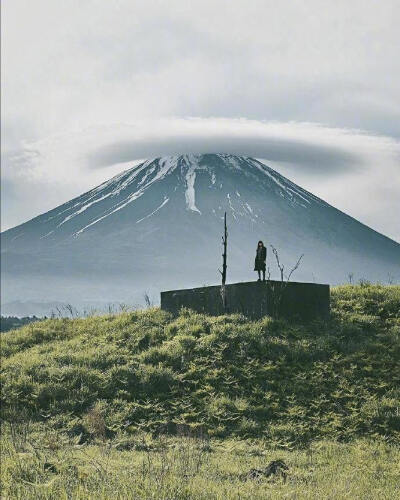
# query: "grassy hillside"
144,405
230,377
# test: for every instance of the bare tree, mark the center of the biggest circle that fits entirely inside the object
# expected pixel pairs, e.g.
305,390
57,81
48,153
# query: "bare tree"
224,266
350,277
71,310
147,300
294,268
390,279
281,267
277,292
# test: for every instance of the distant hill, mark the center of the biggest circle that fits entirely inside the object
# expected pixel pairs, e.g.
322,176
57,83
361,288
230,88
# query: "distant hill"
158,226
12,322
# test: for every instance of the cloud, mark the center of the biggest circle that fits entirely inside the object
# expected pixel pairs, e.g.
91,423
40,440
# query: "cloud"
71,65
353,170
72,70
290,143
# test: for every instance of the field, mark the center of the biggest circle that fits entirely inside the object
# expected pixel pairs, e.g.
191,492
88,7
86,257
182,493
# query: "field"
144,405
47,466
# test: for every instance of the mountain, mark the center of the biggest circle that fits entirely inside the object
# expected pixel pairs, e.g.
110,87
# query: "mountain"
159,225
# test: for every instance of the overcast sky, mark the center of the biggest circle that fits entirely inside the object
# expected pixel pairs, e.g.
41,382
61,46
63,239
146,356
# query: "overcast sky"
311,87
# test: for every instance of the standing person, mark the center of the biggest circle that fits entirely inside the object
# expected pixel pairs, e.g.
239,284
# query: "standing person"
261,257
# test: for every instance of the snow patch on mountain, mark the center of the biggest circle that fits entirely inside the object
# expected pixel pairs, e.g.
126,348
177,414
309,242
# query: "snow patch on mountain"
231,206
165,166
154,211
119,206
288,188
190,177
234,161
83,208
45,235
249,208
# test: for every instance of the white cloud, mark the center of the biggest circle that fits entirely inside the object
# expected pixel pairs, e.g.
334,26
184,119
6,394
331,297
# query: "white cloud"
70,65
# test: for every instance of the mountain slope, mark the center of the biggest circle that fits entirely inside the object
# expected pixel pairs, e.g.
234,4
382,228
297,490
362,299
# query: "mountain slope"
159,224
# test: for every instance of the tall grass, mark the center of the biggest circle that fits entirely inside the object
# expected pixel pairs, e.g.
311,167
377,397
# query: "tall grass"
145,405
49,466
287,383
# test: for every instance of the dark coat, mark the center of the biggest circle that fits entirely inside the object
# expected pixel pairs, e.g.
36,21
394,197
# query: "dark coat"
261,257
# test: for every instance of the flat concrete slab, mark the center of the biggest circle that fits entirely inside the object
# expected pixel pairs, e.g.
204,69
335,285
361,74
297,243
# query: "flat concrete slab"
293,300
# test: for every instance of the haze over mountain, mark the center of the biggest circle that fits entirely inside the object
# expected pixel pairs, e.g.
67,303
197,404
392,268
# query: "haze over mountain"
159,225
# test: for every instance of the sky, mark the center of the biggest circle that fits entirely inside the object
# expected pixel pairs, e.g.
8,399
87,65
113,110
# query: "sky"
311,88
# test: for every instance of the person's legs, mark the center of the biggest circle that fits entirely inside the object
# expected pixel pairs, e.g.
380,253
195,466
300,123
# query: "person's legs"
263,274
259,275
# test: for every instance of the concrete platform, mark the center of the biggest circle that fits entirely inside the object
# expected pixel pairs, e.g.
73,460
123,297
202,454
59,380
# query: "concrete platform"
293,300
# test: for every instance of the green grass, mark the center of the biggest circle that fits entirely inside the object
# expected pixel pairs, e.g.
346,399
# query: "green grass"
283,389
49,467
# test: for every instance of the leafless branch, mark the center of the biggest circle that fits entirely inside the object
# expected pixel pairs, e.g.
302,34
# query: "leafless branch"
295,267
278,291
224,266
147,300
281,267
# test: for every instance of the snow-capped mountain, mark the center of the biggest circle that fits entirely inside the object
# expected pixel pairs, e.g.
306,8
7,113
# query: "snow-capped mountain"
159,225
